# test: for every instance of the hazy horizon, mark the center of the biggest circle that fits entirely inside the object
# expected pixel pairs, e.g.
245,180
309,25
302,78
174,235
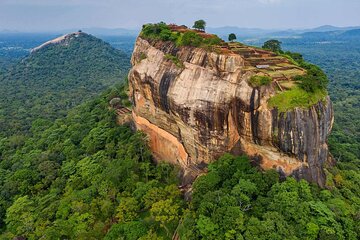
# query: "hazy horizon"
47,15
135,29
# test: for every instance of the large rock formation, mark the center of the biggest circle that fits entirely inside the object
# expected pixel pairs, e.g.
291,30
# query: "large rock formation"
196,104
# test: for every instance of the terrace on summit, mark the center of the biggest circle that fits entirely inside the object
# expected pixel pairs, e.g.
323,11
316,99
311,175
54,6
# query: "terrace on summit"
261,62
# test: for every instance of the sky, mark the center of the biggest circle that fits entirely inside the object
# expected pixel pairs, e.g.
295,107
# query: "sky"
47,15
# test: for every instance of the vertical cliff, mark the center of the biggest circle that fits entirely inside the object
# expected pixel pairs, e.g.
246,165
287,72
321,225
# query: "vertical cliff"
196,104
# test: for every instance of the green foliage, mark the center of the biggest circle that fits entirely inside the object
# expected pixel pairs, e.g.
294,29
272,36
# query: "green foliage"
165,212
157,31
314,79
84,177
258,81
297,57
19,217
310,89
128,209
193,39
56,78
296,97
273,45
113,191
130,231
142,56
236,201
200,25
175,60
151,235
340,61
211,41
190,38
161,31
232,37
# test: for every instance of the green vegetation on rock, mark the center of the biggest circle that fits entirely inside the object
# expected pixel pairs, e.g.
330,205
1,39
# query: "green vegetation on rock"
258,81
161,31
296,98
175,60
309,89
341,62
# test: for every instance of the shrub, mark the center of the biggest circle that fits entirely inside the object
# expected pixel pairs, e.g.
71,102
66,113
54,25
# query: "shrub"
165,34
175,60
175,36
142,56
190,39
307,83
158,31
215,40
297,57
296,97
154,30
257,81
315,78
161,31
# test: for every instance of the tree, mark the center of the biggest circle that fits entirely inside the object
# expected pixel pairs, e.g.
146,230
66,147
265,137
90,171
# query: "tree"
273,45
151,236
232,37
206,227
200,25
127,210
164,212
19,216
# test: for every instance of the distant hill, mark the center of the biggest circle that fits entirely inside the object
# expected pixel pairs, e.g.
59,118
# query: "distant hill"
55,77
351,33
330,28
240,32
321,34
112,31
257,32
340,34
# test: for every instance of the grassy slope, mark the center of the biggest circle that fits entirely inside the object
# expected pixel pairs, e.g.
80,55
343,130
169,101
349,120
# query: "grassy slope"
296,97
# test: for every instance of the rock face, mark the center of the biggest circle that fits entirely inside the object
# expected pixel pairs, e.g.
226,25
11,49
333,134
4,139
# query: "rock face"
65,39
196,111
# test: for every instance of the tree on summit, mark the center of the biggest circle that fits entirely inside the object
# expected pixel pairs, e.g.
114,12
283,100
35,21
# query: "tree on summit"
273,45
200,25
232,37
